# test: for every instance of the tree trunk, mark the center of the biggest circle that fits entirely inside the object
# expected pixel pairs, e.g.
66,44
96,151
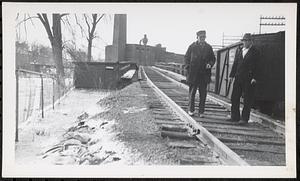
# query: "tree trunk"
89,54
57,49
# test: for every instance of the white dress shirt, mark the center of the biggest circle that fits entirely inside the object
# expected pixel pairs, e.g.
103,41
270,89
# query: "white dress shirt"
245,51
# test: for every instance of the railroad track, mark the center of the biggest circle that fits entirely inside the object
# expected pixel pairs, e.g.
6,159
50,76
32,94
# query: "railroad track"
254,144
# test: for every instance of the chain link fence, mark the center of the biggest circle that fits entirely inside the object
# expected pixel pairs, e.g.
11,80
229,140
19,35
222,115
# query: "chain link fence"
36,93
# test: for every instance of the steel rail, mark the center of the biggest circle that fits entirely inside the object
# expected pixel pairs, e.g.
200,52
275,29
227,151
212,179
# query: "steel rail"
225,154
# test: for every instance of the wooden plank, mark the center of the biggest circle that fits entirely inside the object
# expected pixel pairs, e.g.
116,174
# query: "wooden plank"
207,109
225,139
208,104
169,122
215,117
161,113
161,117
233,127
160,110
217,110
176,135
177,128
259,163
225,115
181,144
215,107
156,107
203,120
243,132
260,118
196,160
196,103
255,148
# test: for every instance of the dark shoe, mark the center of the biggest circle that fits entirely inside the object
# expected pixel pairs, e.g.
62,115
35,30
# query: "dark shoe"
231,120
242,122
191,113
200,115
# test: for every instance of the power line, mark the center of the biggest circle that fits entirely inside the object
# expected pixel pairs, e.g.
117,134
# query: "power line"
278,22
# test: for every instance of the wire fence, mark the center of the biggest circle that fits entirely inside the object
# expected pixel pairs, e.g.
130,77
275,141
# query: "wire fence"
35,93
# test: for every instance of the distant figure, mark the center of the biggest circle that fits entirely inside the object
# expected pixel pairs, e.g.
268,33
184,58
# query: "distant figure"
144,40
245,72
199,59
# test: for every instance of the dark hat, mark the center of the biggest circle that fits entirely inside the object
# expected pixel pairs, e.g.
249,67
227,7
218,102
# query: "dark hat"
247,36
201,32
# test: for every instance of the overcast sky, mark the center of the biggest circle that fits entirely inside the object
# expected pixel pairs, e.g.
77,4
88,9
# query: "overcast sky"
172,25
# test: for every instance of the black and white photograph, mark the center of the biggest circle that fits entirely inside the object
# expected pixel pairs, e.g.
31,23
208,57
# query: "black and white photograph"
172,90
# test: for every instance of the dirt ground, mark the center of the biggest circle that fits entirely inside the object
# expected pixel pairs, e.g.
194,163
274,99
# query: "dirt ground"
92,127
137,129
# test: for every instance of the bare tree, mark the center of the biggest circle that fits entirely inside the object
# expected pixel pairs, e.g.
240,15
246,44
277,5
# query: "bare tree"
91,23
55,37
76,55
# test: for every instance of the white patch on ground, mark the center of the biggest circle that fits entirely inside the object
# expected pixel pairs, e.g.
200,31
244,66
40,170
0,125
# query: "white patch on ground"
129,74
40,135
143,95
133,110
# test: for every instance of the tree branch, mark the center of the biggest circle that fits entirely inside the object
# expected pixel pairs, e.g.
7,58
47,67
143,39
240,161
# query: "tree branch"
86,20
25,28
81,28
45,22
64,14
69,25
100,18
29,18
17,17
91,35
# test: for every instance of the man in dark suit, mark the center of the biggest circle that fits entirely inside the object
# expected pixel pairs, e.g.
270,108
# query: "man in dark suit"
199,60
245,72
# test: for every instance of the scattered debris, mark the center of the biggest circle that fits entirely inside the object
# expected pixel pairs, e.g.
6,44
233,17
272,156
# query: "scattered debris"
82,116
181,144
133,110
116,158
79,146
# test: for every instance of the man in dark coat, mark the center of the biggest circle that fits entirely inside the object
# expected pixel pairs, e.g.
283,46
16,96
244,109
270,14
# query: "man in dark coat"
199,60
245,72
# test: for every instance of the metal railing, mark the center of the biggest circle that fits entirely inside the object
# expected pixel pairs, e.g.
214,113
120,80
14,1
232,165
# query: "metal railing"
35,93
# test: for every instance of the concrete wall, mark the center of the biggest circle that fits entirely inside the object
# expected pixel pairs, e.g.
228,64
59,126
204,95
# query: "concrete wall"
109,53
144,55
103,75
173,57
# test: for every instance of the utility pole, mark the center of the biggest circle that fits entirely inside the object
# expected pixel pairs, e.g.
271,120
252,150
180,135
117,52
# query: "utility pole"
279,21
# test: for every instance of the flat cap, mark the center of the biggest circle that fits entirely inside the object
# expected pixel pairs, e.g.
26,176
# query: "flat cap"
201,32
247,36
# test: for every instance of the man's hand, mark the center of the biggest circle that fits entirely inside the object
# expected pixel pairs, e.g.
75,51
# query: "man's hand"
253,81
208,66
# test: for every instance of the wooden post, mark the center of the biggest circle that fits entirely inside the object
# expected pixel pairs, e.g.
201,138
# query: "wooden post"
260,24
53,93
42,96
17,105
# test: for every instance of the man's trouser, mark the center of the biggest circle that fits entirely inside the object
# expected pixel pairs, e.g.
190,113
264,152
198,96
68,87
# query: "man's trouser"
202,87
241,87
